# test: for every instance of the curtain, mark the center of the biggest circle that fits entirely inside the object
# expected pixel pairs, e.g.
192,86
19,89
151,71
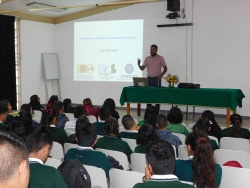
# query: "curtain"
7,60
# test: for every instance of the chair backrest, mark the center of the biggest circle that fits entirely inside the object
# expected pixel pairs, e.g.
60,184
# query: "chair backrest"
99,136
70,126
37,120
235,177
92,119
37,114
138,162
183,152
124,179
67,146
97,176
174,151
182,137
131,143
56,151
190,126
119,156
236,144
70,116
52,162
222,156
214,138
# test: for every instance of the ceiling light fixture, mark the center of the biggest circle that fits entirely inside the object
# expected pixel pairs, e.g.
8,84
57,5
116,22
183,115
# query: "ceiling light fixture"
42,5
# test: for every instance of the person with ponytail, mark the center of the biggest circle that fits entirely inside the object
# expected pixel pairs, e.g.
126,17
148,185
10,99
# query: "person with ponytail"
112,139
235,130
151,113
68,108
49,119
201,169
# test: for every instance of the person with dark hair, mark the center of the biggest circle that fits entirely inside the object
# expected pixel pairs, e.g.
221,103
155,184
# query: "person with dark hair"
25,117
14,170
146,135
154,63
112,139
87,138
150,113
28,109
235,130
111,104
90,109
49,119
203,125
52,99
62,118
3,115
35,103
9,117
159,170
105,113
215,128
131,130
164,134
18,128
72,138
39,143
175,118
68,108
78,112
201,169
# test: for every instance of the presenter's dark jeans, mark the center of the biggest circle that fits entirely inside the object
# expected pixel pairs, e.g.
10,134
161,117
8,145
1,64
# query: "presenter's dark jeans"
153,81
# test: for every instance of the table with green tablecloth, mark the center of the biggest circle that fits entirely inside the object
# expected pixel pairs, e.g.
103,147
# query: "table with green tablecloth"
205,97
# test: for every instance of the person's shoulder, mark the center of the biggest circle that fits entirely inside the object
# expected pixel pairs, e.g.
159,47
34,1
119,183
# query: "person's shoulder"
180,162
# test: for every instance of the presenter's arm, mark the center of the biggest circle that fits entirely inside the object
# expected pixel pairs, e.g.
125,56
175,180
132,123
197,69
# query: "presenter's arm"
163,72
141,67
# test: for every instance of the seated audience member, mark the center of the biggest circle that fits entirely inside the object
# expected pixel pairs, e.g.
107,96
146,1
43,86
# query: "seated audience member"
68,108
18,128
151,113
90,109
39,143
28,109
236,131
203,125
3,115
164,134
159,170
175,118
112,139
52,99
35,103
215,128
111,104
131,130
105,114
14,166
87,138
201,169
72,138
49,120
25,117
9,117
62,118
79,111
146,134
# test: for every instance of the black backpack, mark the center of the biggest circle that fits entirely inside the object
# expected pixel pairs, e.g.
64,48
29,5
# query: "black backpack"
74,174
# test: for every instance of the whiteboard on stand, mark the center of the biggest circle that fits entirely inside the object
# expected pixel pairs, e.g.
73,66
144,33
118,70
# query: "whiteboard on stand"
50,66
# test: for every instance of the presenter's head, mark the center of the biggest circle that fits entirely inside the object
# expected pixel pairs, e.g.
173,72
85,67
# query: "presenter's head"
153,50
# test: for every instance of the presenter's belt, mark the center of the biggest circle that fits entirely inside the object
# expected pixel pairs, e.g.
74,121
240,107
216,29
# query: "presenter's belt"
152,77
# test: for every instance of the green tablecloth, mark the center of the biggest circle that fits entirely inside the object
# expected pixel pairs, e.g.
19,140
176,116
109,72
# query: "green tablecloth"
209,97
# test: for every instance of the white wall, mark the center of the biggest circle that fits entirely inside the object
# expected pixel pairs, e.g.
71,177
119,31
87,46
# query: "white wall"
35,38
220,49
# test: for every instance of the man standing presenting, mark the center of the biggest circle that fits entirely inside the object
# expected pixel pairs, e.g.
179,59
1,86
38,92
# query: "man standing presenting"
154,64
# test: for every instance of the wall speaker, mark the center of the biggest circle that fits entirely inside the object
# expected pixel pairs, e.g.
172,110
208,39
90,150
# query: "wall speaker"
173,5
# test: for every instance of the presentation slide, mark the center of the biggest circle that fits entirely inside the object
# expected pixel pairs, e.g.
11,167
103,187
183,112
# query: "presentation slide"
108,50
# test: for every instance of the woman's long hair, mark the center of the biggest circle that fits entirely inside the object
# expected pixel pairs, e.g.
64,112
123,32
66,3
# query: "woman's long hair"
48,116
66,103
236,120
203,161
146,134
215,128
111,127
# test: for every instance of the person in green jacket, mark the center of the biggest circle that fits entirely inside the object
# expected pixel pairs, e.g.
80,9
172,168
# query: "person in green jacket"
3,115
175,118
14,170
201,169
159,171
39,143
